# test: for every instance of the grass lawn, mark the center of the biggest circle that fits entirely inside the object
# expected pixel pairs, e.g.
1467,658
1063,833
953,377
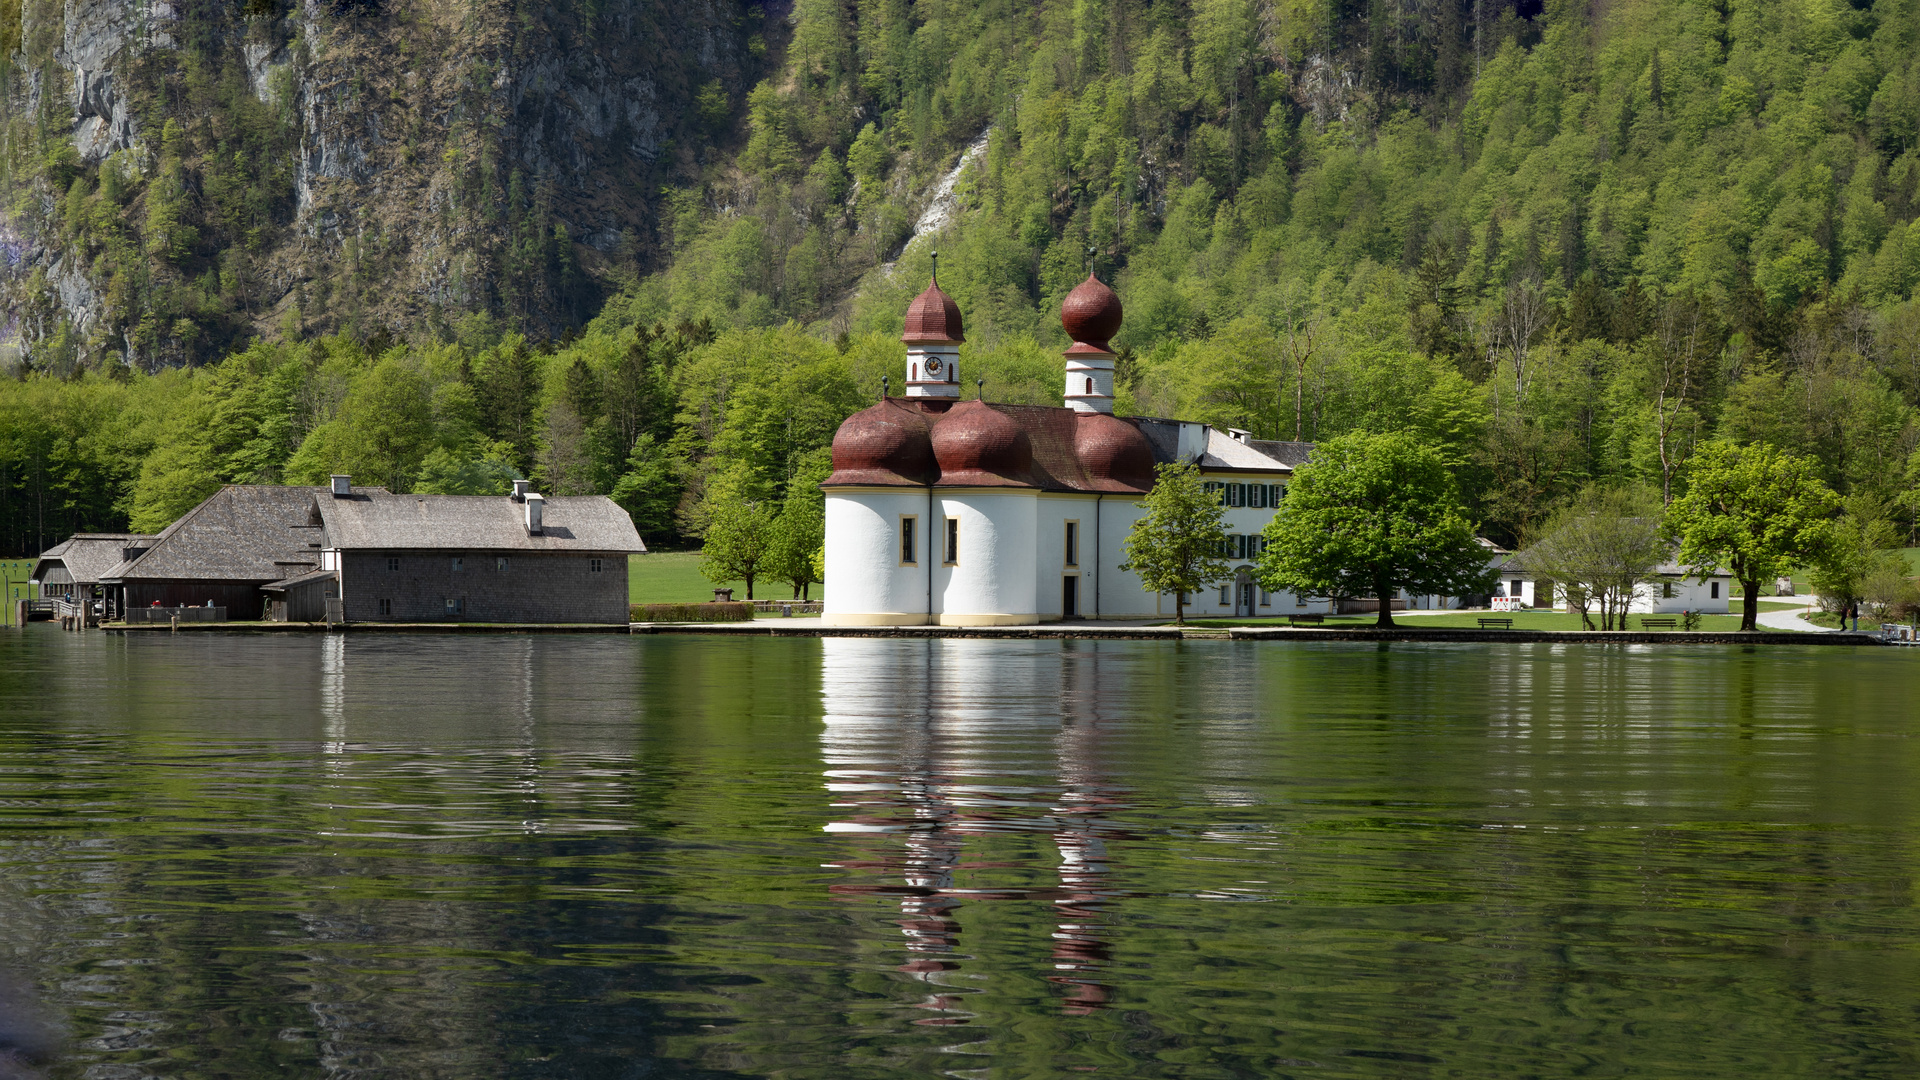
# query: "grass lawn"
1470,620
673,577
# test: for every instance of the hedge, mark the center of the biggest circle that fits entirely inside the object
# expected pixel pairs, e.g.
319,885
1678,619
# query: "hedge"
721,612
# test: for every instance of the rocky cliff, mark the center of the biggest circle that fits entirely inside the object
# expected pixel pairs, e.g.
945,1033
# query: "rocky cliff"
181,176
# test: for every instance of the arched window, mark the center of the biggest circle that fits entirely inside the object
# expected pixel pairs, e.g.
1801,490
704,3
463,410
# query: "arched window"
1089,386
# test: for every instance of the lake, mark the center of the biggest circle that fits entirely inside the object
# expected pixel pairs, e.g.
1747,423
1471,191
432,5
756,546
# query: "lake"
464,856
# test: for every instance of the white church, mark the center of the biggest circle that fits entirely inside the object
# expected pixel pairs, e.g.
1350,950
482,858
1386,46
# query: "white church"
969,513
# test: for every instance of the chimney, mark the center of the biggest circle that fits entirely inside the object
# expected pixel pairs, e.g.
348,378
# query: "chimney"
342,485
1239,435
520,489
534,505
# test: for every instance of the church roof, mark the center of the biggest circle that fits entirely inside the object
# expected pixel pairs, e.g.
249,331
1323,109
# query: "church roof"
933,318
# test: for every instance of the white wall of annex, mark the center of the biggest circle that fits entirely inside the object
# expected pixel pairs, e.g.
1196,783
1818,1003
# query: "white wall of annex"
868,584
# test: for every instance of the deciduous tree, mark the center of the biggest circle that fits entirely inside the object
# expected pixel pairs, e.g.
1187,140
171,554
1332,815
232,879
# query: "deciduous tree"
1370,515
1756,510
1175,545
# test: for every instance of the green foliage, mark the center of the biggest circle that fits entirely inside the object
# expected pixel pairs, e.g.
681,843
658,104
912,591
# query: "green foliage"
1599,548
715,612
1858,547
1755,510
1371,515
1175,544
800,531
738,543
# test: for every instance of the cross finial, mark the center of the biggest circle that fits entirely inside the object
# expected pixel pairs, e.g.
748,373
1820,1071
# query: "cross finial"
935,256
1090,250
978,385
884,383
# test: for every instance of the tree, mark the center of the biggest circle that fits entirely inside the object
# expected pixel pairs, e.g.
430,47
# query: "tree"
650,488
738,542
1175,545
1370,515
1601,547
801,528
1756,510
1856,550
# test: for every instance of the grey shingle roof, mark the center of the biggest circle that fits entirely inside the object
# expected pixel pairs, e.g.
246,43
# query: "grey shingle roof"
298,579
1287,453
87,555
475,523
241,533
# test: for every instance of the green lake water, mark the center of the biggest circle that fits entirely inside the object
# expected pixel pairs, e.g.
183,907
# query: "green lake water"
389,856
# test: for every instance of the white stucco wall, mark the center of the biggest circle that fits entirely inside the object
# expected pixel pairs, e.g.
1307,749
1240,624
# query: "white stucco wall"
869,586
1689,594
994,582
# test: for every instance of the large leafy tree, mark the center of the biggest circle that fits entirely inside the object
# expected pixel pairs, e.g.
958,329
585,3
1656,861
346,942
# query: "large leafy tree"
1756,510
1175,546
1370,515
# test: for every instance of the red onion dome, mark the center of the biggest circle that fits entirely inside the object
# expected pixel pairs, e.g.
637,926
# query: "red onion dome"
977,445
933,317
1114,453
886,444
1091,313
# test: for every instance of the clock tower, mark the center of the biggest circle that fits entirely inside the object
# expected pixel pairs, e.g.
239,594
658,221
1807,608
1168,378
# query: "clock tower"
933,338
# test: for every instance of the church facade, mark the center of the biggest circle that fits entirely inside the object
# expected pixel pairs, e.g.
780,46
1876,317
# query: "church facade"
971,513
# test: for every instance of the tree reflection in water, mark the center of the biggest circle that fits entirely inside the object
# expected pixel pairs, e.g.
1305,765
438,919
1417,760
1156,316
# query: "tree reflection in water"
909,732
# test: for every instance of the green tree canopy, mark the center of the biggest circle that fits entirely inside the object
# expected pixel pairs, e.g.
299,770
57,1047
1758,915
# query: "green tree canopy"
1175,545
1370,515
1599,548
738,542
1756,510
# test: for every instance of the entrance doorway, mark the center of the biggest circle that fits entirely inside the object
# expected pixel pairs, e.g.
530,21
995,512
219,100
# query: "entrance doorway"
1070,597
1243,603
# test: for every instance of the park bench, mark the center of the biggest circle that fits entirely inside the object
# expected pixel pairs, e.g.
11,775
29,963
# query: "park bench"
1657,624
1502,624
1316,620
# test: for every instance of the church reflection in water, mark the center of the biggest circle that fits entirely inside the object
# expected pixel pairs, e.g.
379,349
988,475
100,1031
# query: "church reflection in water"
931,745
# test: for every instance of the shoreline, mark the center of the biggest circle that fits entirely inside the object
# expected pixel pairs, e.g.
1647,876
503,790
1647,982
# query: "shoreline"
1051,631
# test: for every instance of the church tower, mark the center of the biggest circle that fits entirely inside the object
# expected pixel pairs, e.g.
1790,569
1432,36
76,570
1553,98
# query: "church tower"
933,338
1091,316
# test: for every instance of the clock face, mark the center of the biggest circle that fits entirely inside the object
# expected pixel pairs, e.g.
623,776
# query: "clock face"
933,366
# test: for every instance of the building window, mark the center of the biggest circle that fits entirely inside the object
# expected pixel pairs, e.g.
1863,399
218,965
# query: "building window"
1266,598
596,566
386,606
393,563
1257,496
1299,601
459,564
1716,590
1073,543
1666,590
1224,589
953,541
907,546
456,605
500,563
1089,386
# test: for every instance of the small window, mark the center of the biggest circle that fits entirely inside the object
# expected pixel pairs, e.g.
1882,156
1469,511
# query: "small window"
386,606
1257,496
1716,590
1666,589
1223,594
1089,386
1299,601
595,568
456,605
500,563
1266,598
1073,543
953,541
907,545
459,564
393,563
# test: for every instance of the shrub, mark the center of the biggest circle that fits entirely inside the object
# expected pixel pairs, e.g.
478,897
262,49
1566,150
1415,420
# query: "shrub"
721,612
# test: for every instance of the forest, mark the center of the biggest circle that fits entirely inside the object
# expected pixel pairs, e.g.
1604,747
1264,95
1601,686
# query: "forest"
1562,244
